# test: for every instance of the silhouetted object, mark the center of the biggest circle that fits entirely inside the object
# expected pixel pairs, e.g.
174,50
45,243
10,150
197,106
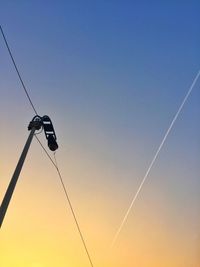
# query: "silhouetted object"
52,144
50,133
36,124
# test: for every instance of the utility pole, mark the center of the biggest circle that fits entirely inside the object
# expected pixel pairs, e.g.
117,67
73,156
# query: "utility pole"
36,124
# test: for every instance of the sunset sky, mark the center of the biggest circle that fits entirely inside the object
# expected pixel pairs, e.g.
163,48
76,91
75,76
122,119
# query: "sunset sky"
111,75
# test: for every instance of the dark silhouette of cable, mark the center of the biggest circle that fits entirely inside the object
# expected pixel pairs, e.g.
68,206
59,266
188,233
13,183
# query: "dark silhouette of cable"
17,70
68,199
54,163
73,212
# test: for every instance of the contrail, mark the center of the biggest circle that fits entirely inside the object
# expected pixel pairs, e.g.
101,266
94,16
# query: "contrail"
155,157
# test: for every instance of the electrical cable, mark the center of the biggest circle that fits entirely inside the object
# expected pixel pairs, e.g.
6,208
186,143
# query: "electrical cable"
54,163
67,197
72,210
17,70
39,132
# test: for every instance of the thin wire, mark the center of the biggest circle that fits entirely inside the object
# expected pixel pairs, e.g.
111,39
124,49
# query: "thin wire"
67,197
17,70
39,131
155,157
73,212
55,164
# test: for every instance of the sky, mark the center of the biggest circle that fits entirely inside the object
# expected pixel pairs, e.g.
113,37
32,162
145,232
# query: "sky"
111,75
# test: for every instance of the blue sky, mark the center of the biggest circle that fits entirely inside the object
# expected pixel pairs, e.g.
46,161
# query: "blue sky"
111,75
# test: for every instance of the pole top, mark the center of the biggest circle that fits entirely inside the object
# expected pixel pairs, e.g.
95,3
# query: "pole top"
46,123
35,123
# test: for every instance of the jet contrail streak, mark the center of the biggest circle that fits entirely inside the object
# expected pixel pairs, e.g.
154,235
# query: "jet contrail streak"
154,158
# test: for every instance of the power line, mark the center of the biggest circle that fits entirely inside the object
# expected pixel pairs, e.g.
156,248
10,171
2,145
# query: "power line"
72,210
17,70
68,198
155,157
54,163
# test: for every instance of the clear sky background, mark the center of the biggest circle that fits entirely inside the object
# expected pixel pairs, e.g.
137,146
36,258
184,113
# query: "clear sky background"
111,75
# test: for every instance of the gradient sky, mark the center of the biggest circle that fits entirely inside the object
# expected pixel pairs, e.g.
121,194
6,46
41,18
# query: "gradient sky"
111,75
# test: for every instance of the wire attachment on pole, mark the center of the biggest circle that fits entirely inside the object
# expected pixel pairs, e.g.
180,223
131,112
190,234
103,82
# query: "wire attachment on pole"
35,123
46,123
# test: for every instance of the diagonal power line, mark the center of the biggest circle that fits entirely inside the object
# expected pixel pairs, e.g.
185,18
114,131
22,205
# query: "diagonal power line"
67,197
154,158
72,210
54,163
17,70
